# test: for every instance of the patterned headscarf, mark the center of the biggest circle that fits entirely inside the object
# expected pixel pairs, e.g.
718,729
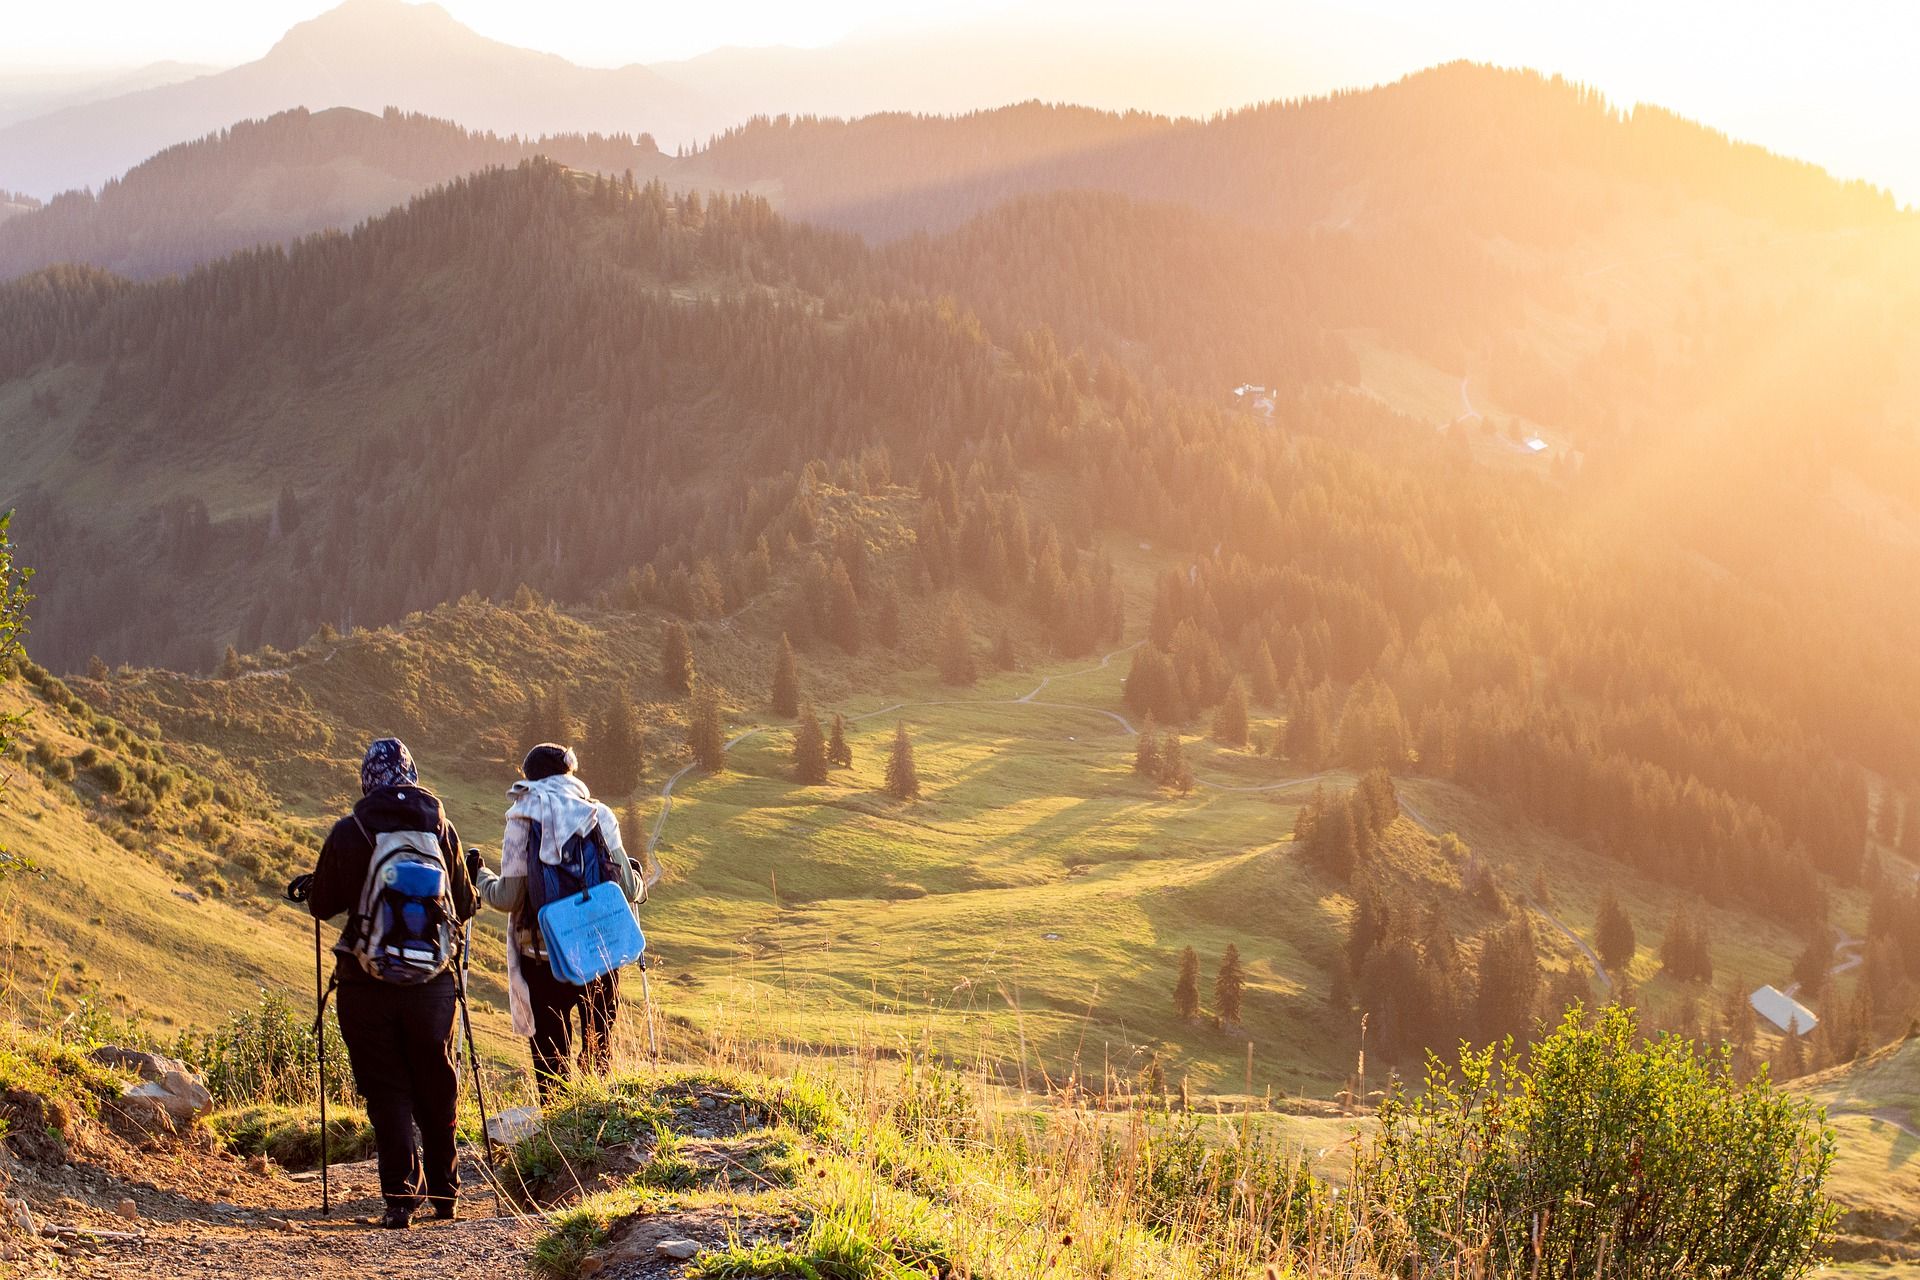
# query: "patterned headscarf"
388,763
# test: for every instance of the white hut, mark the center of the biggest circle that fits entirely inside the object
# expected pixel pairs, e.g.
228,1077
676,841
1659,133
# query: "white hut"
1783,1011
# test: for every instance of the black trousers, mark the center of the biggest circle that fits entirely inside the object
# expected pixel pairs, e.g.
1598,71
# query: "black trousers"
554,1004
400,1041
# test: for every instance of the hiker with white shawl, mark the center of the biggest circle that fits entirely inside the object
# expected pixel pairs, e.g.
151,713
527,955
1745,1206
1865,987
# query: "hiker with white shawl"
553,819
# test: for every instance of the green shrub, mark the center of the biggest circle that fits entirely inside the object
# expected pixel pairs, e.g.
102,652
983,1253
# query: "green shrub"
88,757
1601,1157
109,775
267,1054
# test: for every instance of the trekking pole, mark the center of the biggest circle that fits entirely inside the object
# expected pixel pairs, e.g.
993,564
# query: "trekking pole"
649,877
646,998
320,1039
297,891
473,1054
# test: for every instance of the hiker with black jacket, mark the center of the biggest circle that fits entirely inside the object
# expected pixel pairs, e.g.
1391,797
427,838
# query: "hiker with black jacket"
552,817
399,1029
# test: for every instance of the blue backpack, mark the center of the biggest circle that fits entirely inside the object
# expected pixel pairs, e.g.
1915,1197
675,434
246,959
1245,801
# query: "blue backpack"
586,926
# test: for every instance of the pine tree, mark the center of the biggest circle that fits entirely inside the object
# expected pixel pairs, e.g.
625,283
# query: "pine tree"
1683,951
903,782
1265,676
785,697
1004,656
1334,845
838,752
1175,772
956,647
633,830
706,735
1613,935
230,664
1146,750
1791,1061
676,658
533,724
615,753
1378,802
1509,981
886,618
1230,721
557,723
809,749
843,609
1186,989
1229,984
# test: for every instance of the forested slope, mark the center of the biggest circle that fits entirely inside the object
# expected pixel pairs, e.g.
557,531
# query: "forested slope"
271,181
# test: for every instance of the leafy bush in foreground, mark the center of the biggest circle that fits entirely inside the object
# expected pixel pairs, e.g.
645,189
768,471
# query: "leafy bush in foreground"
1602,1157
268,1054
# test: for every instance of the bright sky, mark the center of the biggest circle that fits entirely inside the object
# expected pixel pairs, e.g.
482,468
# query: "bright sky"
1833,83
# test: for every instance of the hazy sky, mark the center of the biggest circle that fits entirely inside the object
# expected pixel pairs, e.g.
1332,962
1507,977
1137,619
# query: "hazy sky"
1832,83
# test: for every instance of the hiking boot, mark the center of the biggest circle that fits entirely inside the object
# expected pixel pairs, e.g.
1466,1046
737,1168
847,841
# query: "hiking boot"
397,1219
443,1211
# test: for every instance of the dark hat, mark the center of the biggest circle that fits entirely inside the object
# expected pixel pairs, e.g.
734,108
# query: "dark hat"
548,760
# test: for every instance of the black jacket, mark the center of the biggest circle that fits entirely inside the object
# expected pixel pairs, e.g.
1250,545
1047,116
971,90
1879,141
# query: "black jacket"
343,858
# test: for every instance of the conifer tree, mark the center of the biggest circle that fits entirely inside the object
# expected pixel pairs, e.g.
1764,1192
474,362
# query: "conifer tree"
533,724
903,781
1230,721
886,618
633,829
838,752
785,697
1186,988
1175,772
809,749
615,752
1378,803
1146,750
1509,981
676,658
956,647
557,722
230,664
1613,935
843,609
1004,656
1791,1062
1229,985
1265,676
706,735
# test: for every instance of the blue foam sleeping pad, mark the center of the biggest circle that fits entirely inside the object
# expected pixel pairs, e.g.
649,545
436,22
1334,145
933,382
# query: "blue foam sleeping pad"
590,934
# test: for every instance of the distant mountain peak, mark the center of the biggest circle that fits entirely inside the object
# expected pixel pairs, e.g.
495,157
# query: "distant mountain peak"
343,28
